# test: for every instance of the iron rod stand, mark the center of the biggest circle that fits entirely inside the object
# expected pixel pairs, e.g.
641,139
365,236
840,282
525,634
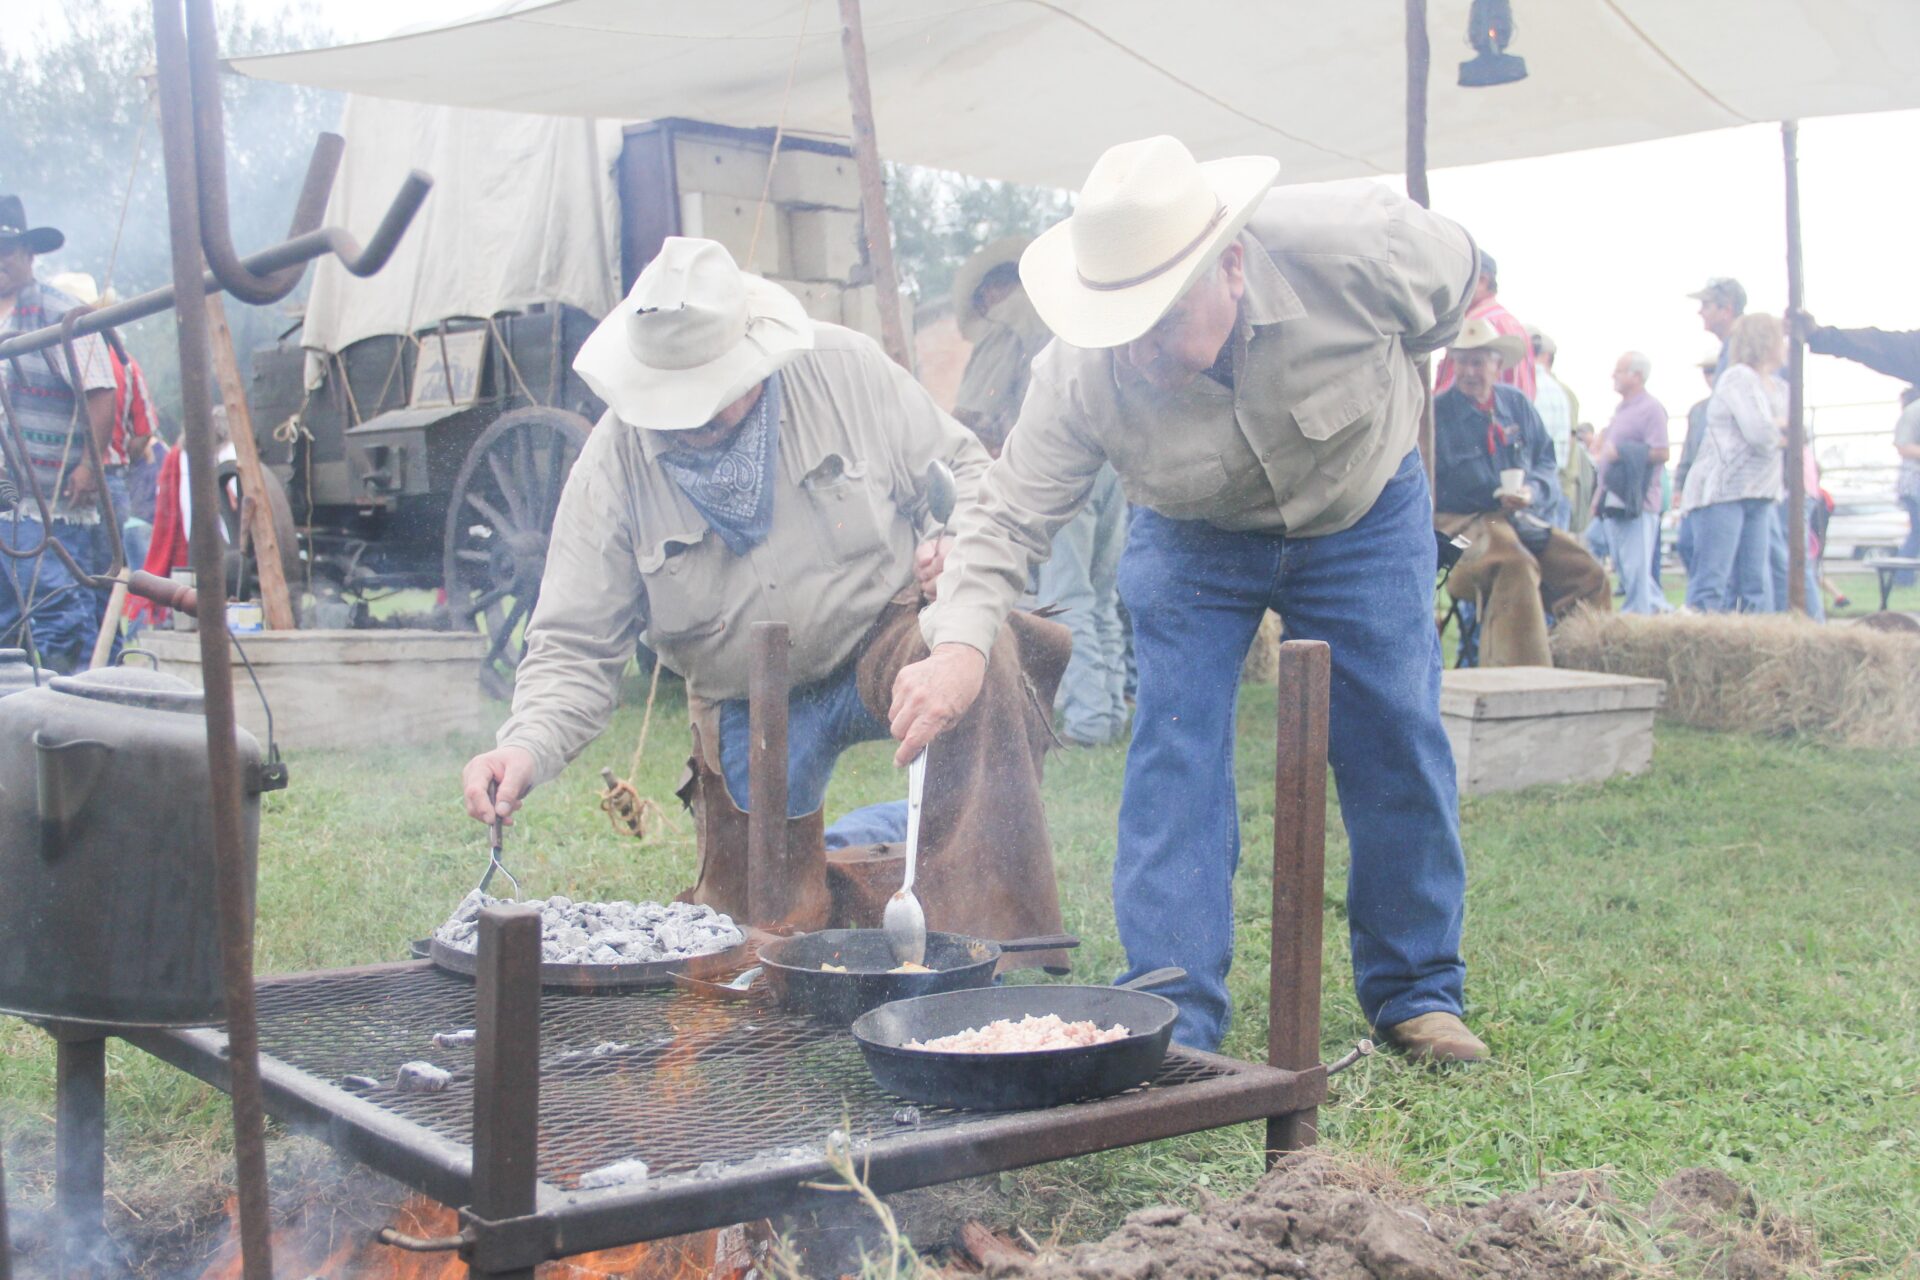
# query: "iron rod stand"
1299,879
80,1148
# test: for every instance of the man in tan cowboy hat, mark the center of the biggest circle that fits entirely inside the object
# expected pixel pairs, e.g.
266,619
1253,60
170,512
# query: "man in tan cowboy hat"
1520,569
1244,357
756,465
1079,577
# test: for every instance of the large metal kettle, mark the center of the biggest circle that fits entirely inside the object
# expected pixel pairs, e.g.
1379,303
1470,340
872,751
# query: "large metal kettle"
106,851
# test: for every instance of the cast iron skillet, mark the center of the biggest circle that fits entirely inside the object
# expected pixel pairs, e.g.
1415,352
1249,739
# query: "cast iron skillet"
958,962
1015,1081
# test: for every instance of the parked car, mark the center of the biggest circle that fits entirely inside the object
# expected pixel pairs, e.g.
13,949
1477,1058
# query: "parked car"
1864,526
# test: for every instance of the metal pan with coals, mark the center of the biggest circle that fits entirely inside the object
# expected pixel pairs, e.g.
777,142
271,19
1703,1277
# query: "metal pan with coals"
958,962
1019,1081
592,979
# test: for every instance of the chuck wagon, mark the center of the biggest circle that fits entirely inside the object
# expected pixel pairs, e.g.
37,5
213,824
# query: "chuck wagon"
424,421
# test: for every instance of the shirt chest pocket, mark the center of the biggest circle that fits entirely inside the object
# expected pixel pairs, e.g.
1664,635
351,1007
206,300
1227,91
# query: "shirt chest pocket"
853,516
685,591
1350,397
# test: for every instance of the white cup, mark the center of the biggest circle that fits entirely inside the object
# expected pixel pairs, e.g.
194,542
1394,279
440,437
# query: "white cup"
1513,480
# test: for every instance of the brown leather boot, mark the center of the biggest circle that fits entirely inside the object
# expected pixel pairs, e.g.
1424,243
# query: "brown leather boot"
1436,1037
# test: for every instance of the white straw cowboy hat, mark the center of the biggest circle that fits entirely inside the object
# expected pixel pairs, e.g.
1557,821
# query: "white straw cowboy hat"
1478,334
1149,221
695,334
966,281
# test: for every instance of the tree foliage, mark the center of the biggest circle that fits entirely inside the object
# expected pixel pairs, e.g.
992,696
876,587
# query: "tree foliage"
81,142
941,218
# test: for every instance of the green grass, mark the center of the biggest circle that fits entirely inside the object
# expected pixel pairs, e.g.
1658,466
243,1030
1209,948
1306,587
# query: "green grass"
1714,963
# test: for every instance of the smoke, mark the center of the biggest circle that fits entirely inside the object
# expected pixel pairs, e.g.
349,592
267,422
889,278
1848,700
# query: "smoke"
80,145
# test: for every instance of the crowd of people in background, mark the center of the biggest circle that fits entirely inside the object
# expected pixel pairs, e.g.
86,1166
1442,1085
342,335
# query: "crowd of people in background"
1501,412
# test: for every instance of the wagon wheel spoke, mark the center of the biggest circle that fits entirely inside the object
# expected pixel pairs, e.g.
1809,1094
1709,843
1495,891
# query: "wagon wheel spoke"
489,600
504,477
493,517
473,557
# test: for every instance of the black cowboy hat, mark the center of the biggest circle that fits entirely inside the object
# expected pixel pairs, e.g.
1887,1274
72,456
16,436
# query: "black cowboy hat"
14,229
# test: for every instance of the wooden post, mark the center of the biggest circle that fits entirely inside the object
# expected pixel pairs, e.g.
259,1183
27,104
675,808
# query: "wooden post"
1419,62
266,541
873,185
80,1147
1796,381
506,1072
770,896
1299,878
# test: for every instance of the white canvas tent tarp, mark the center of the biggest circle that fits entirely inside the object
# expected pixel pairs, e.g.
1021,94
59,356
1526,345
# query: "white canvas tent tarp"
1033,90
523,210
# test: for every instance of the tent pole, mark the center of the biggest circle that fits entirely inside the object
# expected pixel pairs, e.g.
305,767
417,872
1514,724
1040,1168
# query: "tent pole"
1796,381
1419,60
873,186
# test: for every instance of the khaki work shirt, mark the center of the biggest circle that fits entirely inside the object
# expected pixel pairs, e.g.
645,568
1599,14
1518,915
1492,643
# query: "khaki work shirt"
631,557
1346,283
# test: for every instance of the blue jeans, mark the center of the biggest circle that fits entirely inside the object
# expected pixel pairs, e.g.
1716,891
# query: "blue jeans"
1081,577
63,616
1633,539
1778,562
1729,566
1911,547
1196,594
1683,542
823,719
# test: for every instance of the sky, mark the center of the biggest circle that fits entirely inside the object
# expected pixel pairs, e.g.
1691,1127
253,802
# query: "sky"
1600,248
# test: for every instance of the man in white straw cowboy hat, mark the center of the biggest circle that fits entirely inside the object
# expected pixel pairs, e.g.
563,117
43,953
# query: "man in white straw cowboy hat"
1244,357
756,465
1519,568
1080,575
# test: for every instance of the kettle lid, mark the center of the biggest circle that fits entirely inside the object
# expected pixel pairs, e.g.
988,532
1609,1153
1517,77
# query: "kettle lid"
17,670
132,687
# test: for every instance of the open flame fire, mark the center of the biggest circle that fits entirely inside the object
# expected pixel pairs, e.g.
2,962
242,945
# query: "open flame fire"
322,1241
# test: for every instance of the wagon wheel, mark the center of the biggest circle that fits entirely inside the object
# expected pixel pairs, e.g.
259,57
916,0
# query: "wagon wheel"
498,520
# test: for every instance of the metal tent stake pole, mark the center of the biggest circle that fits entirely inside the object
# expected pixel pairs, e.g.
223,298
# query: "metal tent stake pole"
873,185
1419,61
506,1074
769,888
1299,879
1796,382
80,1146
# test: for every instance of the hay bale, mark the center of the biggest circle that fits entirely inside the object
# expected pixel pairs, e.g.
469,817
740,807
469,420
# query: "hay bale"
1775,674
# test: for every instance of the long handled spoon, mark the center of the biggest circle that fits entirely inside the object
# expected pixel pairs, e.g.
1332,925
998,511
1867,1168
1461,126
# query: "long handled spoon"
904,921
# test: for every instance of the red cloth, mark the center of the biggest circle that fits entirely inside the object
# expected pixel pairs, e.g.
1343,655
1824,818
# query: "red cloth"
168,549
1520,375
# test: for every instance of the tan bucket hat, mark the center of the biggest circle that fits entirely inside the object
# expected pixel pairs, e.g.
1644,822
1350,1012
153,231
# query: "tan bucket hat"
1478,333
966,281
1150,219
695,334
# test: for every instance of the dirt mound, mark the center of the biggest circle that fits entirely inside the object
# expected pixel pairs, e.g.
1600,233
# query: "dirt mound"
1318,1216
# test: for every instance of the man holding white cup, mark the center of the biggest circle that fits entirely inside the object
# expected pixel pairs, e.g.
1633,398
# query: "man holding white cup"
1496,481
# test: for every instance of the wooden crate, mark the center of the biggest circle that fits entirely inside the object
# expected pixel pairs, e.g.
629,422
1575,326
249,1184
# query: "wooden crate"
1514,727
332,689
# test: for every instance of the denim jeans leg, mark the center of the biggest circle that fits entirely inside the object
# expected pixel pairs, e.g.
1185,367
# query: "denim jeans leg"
1368,593
1196,595
1683,542
1777,560
1716,545
1078,577
1633,538
823,719
1752,592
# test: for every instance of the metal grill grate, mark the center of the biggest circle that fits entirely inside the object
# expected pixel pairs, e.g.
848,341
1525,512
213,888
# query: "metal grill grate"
678,1082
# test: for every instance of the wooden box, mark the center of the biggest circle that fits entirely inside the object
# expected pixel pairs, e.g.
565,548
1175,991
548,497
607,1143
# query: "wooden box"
1514,727
332,689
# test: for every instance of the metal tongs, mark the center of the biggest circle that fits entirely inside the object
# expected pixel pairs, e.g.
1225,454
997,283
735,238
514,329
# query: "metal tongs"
493,854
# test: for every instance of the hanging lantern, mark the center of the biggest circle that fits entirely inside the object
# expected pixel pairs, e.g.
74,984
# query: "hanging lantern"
1489,28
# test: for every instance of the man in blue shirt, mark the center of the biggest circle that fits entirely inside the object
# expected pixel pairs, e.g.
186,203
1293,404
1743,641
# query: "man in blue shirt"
1519,569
